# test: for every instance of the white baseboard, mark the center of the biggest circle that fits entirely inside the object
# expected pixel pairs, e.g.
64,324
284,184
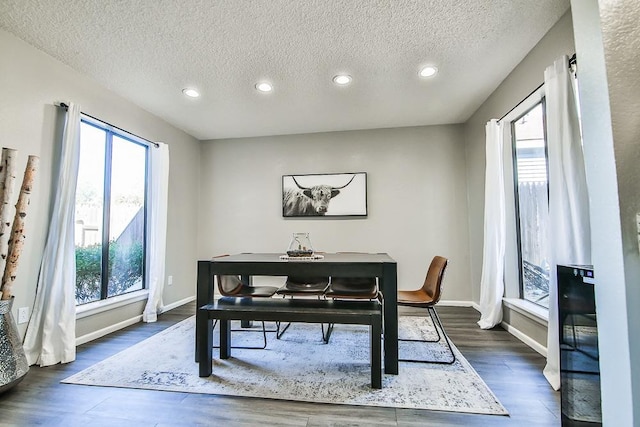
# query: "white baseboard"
104,331
453,303
513,331
178,303
132,321
525,339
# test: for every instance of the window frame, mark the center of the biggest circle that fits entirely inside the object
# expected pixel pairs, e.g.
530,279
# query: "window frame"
512,123
105,301
513,264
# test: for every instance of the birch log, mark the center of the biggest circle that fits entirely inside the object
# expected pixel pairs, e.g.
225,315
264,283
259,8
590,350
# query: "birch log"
16,241
7,179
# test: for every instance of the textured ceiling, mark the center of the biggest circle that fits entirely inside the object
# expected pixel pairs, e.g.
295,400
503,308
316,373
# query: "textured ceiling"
148,50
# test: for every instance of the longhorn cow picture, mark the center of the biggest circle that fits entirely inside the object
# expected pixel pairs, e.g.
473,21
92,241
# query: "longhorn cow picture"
323,195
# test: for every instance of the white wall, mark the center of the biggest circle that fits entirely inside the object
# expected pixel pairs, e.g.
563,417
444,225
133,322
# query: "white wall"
608,51
527,76
30,83
416,197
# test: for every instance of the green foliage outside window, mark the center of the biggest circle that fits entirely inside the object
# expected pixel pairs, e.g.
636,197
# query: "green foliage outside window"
125,267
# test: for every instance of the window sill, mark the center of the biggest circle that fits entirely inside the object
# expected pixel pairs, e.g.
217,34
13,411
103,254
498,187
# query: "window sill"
86,310
528,309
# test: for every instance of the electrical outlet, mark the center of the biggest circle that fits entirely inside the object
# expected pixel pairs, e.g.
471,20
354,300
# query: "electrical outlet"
23,315
638,228
170,280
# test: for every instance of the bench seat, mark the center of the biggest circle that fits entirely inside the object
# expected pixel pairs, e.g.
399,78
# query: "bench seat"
288,310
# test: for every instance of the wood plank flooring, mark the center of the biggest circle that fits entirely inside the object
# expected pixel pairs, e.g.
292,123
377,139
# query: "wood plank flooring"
511,369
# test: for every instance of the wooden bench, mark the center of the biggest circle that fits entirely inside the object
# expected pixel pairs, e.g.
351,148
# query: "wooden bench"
287,310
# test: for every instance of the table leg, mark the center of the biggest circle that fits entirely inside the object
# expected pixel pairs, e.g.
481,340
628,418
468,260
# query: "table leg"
225,339
247,281
205,336
390,293
376,350
204,296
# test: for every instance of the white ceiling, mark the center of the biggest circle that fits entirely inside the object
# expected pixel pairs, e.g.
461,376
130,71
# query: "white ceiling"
148,50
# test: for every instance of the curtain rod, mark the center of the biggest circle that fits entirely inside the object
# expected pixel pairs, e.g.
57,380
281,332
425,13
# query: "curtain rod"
572,61
155,144
523,99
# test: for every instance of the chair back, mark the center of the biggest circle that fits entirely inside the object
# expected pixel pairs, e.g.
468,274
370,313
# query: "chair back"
355,285
229,285
435,276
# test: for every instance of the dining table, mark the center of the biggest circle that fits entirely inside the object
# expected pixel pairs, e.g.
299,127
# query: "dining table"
249,265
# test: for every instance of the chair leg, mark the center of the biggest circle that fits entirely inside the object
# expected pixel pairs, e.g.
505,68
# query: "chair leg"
264,337
437,324
279,332
325,335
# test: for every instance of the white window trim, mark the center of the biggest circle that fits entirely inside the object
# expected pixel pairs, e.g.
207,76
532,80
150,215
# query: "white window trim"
512,270
528,309
92,308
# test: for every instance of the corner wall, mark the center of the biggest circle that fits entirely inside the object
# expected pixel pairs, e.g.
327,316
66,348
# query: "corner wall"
31,83
416,197
608,46
527,76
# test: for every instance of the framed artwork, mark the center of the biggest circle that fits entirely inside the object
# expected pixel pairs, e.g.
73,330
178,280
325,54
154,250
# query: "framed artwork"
324,195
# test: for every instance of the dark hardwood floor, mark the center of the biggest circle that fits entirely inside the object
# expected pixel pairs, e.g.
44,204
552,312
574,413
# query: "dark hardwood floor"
511,369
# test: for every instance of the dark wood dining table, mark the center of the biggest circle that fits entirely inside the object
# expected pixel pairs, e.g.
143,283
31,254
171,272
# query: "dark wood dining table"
247,265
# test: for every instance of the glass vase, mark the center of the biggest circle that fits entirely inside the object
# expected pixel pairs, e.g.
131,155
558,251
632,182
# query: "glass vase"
300,245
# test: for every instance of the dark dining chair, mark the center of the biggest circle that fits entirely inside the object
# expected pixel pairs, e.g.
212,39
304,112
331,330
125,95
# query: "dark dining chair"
303,286
353,288
232,286
427,297
346,288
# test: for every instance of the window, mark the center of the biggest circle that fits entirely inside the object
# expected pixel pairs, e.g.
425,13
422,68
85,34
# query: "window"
532,203
110,211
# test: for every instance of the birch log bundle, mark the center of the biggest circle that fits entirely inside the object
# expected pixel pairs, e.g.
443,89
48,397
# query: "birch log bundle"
7,179
11,243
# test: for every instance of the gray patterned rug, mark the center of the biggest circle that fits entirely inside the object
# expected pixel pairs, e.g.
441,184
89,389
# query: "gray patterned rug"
300,367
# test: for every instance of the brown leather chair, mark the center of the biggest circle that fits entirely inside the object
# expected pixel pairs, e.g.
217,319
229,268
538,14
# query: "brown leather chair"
427,297
303,286
232,286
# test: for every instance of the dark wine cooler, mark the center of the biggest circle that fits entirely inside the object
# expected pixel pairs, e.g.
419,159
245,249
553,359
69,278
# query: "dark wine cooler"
579,357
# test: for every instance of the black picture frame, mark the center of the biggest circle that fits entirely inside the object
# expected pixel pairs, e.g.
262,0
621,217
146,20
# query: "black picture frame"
334,195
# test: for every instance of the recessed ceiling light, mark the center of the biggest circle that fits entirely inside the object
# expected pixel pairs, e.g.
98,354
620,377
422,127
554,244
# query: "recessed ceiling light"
264,87
342,79
428,71
190,92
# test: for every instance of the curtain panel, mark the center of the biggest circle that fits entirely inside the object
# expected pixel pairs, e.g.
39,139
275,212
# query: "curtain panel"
51,335
569,230
492,280
158,195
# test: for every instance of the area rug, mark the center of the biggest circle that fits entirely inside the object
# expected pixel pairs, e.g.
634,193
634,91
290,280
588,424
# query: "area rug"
300,367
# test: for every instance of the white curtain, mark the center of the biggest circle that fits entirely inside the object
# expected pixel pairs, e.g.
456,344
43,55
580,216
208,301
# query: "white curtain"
569,232
158,191
51,336
492,281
